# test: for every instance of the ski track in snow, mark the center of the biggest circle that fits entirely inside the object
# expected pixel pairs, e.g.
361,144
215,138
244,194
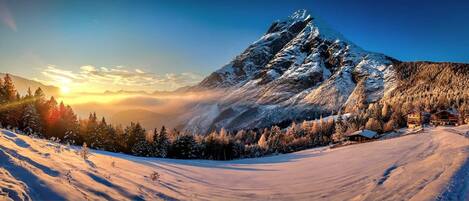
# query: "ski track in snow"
428,166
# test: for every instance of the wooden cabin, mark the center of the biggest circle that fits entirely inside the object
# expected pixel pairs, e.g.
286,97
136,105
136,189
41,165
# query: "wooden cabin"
362,135
414,119
445,117
417,119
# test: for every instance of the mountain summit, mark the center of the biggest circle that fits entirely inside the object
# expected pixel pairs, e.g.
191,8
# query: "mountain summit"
299,69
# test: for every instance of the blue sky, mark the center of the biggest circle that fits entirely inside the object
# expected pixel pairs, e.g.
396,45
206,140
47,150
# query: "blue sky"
179,40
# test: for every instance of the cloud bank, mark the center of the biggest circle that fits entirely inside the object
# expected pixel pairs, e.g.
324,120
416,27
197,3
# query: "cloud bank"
90,78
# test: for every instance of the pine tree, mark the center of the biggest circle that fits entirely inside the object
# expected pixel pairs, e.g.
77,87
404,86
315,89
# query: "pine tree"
251,137
120,141
39,94
184,147
31,120
9,89
340,129
241,135
314,132
224,136
70,124
275,139
101,135
160,143
305,126
292,130
91,130
29,94
41,107
227,146
52,125
11,114
137,140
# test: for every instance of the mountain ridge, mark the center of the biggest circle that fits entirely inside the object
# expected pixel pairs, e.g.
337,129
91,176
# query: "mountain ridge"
22,84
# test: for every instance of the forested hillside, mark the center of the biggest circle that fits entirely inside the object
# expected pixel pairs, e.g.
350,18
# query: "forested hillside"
432,84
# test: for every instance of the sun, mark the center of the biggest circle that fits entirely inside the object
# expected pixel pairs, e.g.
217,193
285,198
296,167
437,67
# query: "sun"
64,90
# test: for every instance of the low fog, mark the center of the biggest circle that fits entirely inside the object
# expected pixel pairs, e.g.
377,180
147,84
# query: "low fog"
151,110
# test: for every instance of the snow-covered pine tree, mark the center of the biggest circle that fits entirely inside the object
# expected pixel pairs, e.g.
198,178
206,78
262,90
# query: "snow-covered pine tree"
160,143
184,147
137,140
70,125
101,135
31,120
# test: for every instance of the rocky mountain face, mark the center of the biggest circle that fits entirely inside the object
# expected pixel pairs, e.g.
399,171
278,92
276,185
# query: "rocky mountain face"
299,69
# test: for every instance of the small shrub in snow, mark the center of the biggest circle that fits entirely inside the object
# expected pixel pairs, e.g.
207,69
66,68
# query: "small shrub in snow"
85,152
58,148
68,176
155,176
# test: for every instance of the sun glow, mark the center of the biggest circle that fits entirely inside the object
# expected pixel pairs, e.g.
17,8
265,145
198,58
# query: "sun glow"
64,90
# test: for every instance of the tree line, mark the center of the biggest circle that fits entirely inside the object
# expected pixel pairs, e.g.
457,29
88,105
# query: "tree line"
33,114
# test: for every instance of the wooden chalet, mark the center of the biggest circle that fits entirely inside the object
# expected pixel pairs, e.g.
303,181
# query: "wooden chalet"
362,135
417,119
445,117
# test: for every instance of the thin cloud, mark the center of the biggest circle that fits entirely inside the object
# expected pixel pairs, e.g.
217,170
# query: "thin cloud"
7,17
107,78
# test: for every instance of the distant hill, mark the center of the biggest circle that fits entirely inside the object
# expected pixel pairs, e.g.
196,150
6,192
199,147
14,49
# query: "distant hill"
22,85
148,119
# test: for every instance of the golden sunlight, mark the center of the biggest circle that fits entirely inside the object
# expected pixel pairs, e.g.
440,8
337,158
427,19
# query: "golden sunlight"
64,90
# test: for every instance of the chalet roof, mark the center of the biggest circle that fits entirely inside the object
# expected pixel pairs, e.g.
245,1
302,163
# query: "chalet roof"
412,112
451,111
365,133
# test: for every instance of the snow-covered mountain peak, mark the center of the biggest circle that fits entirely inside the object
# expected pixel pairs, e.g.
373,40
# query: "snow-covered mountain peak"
299,15
326,32
299,69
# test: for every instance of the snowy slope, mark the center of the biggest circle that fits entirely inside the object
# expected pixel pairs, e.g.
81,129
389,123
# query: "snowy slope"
417,167
298,70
